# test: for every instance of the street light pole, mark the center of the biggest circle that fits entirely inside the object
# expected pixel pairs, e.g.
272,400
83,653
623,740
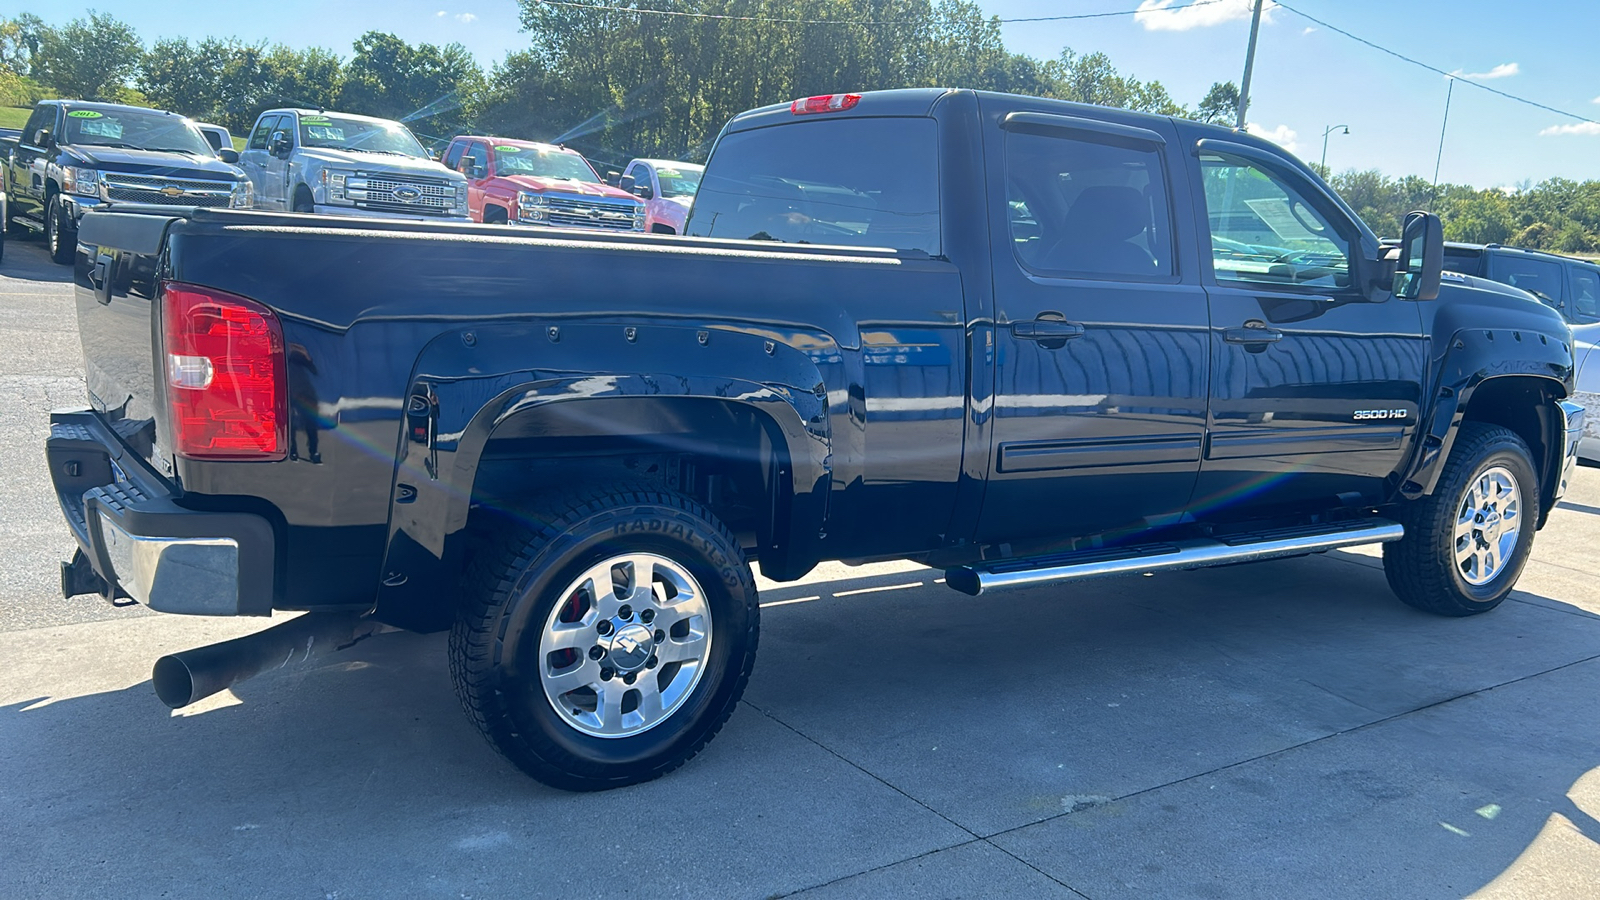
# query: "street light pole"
1249,64
1325,132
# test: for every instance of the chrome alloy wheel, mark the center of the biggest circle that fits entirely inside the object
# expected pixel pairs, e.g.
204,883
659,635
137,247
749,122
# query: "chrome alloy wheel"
1488,525
626,646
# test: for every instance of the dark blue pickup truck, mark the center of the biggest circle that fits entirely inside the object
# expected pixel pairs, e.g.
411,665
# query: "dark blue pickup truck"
1025,341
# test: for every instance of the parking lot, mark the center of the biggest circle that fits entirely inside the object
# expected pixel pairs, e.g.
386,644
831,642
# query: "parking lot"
1280,730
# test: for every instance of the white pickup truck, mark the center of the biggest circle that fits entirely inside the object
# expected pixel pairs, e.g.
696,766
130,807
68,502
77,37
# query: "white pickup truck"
304,160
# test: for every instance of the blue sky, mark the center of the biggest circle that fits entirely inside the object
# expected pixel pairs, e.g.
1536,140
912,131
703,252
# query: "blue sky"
1305,80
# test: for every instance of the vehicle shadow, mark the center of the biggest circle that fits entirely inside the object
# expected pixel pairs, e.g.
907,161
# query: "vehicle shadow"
27,259
363,770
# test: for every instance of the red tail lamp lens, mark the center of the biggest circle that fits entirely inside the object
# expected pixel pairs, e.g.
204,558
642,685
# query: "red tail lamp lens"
226,378
825,103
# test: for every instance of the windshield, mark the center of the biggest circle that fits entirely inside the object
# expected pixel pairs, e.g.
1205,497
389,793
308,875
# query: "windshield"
134,130
679,181
339,133
541,163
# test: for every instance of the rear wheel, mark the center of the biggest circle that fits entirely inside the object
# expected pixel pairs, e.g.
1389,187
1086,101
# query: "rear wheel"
1467,543
607,642
60,234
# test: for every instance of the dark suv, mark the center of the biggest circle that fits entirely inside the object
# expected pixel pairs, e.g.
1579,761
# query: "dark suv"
1571,286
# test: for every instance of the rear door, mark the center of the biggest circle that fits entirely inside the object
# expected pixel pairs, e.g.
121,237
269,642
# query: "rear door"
1315,385
254,160
1100,327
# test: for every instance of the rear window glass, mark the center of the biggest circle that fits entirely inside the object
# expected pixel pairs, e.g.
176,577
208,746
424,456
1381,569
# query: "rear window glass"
1467,262
855,182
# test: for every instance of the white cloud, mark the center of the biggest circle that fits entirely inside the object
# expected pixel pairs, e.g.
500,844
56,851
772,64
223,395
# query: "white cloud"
1308,30
1504,70
1161,15
1574,128
441,14
466,17
1595,100
1283,136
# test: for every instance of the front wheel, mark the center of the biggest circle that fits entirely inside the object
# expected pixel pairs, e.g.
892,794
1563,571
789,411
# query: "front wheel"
60,234
1466,544
608,646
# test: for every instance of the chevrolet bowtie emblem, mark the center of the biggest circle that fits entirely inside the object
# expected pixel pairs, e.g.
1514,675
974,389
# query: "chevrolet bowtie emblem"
172,190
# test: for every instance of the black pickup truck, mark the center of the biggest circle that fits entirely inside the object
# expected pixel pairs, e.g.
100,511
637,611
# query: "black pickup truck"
1026,341
73,156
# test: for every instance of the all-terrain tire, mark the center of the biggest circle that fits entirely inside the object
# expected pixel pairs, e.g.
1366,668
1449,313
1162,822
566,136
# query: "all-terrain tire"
514,583
1423,567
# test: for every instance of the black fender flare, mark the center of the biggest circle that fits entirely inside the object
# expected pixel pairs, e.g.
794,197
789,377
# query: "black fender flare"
469,383
1472,358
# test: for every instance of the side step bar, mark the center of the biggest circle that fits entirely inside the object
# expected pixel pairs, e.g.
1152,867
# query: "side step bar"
999,574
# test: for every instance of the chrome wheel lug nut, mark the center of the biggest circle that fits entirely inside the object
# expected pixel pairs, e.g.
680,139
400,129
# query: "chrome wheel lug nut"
607,674
647,616
660,635
604,628
625,613
630,678
596,652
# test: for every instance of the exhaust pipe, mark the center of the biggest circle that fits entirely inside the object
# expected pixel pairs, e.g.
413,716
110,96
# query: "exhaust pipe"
192,675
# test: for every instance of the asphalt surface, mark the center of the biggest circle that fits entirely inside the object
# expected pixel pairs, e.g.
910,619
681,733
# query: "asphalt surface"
1281,730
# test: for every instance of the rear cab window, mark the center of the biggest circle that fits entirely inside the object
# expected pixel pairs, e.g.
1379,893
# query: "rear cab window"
791,184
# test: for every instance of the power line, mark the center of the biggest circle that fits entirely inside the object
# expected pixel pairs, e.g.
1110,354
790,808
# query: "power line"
1450,75
697,15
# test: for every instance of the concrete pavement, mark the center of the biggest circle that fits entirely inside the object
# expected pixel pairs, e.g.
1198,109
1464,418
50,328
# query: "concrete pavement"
1281,730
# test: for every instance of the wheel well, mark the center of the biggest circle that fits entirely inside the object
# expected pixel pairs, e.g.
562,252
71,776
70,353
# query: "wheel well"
722,453
658,228
496,214
1523,404
302,191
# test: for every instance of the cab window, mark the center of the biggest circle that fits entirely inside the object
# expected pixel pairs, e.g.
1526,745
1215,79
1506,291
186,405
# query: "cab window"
789,183
1265,232
1078,206
1539,277
43,117
263,132
452,157
1585,306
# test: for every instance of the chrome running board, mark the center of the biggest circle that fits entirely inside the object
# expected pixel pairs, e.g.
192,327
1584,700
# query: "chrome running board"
999,574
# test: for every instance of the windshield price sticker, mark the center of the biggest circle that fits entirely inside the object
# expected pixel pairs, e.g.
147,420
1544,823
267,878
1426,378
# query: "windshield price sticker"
83,114
499,148
315,120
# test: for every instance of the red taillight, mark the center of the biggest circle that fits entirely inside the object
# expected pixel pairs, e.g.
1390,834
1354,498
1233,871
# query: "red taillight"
824,104
226,380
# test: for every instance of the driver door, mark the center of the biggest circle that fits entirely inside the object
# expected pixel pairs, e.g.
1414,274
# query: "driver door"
1315,383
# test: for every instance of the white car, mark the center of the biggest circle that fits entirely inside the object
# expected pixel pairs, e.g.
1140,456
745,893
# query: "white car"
1587,393
667,189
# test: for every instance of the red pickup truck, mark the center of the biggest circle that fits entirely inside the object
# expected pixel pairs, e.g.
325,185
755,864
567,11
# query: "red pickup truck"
528,183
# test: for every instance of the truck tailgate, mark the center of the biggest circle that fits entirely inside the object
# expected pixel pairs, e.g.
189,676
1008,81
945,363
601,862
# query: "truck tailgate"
117,280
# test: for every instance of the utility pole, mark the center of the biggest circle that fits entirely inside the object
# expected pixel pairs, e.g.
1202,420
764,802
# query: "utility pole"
1249,64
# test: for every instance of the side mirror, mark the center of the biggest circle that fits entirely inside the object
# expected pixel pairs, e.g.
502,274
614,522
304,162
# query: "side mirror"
42,138
644,192
626,183
228,155
470,166
1421,261
613,177
280,145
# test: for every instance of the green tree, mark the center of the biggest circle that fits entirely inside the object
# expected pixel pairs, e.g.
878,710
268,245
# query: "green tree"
1220,106
90,59
435,89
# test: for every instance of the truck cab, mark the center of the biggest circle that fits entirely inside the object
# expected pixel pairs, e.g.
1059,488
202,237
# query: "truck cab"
313,161
74,156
